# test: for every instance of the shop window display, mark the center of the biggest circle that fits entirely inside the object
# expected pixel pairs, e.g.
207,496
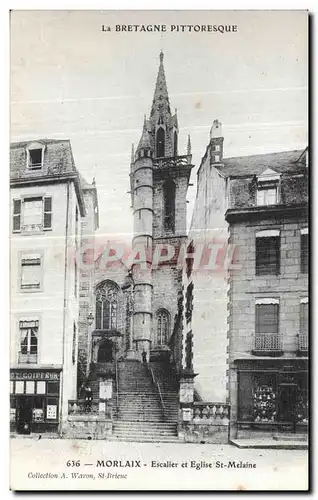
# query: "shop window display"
264,407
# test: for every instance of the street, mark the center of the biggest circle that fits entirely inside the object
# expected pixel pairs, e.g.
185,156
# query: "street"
49,464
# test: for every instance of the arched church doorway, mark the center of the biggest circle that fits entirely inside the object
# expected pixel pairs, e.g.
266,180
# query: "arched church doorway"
105,352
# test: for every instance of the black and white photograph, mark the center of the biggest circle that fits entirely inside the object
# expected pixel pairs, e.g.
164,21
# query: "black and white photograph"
159,250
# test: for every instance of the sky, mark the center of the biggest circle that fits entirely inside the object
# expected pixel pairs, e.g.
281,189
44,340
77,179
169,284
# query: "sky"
71,80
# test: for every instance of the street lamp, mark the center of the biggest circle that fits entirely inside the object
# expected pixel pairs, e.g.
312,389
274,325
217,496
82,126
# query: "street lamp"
128,287
90,321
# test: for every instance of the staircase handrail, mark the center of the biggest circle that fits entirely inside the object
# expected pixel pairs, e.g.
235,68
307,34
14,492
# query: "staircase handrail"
156,383
116,372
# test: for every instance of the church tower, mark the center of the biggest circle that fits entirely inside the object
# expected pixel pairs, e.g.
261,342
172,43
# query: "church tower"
159,183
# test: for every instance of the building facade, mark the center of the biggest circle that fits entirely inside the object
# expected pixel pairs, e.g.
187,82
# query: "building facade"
47,207
256,207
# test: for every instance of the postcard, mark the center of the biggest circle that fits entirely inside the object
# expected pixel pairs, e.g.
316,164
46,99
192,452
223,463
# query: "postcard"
159,250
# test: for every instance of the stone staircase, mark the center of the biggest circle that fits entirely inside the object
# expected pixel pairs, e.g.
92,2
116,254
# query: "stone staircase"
140,416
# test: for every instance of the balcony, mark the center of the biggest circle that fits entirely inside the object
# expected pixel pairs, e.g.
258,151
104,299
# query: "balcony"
302,344
267,344
28,357
31,228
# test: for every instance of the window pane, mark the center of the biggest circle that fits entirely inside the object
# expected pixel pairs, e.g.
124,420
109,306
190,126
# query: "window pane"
40,387
35,157
32,212
267,196
47,220
33,343
29,387
16,223
268,255
48,204
11,387
261,197
52,387
31,275
16,207
19,387
304,318
106,315
98,314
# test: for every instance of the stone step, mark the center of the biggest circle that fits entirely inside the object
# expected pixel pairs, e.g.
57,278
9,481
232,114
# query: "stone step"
171,429
132,423
141,439
136,436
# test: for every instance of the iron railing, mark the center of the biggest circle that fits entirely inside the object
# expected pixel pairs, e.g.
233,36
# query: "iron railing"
156,383
172,161
303,342
116,374
268,342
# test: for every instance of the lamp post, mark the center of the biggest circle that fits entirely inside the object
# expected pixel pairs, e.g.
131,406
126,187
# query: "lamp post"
90,321
128,287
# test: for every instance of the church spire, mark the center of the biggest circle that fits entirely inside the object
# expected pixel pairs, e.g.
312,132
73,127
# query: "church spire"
160,102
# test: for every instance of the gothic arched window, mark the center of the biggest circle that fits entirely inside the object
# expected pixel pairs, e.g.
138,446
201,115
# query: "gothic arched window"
169,193
106,306
160,142
175,144
163,327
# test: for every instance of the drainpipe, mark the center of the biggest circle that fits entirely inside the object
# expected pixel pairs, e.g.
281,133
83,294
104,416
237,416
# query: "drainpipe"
64,301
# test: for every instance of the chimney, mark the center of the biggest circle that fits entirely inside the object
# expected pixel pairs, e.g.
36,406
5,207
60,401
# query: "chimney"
216,142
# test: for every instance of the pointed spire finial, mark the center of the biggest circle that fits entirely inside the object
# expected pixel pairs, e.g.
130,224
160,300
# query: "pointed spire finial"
161,55
189,145
132,153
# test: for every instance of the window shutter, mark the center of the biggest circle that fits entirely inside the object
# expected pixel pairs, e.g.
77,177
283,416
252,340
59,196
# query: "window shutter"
16,215
266,318
304,319
47,212
304,253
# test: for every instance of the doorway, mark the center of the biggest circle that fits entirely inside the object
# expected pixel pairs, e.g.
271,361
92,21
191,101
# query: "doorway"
24,415
105,352
287,405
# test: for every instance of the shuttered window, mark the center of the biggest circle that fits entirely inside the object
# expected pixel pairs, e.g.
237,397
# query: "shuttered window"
266,318
16,215
304,253
304,318
267,255
47,209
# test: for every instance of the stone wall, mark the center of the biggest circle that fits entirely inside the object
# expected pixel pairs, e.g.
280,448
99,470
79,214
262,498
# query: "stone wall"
87,427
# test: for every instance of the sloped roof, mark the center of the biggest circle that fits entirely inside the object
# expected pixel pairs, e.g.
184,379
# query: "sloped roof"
58,159
282,162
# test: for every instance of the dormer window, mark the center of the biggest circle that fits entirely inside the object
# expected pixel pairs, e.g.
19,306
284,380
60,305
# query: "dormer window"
35,153
268,188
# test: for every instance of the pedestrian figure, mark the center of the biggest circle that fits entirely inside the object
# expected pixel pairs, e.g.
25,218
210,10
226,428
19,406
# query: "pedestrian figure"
88,397
144,356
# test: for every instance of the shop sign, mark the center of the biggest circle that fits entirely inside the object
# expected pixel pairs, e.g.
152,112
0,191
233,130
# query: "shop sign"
105,389
34,375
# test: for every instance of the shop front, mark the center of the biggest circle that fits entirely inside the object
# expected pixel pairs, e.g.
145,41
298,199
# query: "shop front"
34,400
272,396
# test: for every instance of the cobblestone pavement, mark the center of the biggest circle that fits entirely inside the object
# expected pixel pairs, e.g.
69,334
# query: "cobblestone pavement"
91,465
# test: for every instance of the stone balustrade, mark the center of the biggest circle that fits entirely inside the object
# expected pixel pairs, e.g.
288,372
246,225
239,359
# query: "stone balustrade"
203,411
